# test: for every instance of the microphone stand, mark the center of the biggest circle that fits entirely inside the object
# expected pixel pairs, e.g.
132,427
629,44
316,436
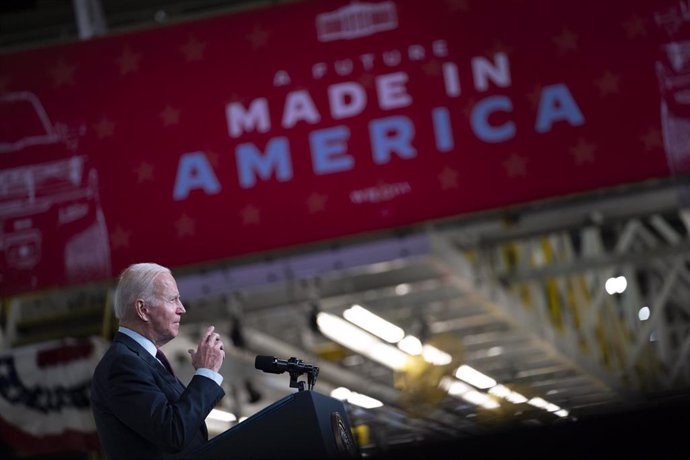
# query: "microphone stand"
295,370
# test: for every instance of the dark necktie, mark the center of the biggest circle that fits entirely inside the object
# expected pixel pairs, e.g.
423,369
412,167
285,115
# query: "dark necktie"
161,357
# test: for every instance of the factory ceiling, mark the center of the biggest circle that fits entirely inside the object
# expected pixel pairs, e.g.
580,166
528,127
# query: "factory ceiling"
531,296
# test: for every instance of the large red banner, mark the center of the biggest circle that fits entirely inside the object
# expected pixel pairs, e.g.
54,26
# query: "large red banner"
270,128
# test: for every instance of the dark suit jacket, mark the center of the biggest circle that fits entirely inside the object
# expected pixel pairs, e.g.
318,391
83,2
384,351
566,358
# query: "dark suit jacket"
143,411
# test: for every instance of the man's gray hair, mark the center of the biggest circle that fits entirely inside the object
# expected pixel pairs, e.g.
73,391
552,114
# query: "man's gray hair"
136,282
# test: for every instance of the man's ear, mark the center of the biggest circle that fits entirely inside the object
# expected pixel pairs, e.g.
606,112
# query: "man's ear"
142,310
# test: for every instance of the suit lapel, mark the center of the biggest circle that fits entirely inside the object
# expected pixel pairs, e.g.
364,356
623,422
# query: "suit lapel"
150,360
176,384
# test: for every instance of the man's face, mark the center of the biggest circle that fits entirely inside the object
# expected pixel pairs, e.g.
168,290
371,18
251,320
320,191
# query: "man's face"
166,310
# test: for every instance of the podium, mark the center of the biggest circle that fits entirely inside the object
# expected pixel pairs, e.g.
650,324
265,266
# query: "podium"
302,425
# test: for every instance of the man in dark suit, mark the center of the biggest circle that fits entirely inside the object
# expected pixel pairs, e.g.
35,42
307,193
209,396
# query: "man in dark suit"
141,409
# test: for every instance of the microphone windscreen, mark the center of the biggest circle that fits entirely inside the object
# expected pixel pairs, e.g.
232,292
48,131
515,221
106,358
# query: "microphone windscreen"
264,363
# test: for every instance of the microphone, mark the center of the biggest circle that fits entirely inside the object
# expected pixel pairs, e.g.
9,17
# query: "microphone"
273,365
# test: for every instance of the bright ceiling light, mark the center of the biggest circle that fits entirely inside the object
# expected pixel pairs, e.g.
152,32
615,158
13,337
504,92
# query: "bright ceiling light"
435,356
340,393
622,284
364,401
402,289
644,313
344,333
464,391
388,355
494,351
480,399
454,387
561,413
506,393
516,398
357,399
474,377
616,285
538,402
411,345
354,338
551,407
374,324
610,286
499,390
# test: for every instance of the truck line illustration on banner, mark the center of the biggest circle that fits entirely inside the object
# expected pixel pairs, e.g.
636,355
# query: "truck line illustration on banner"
60,194
673,72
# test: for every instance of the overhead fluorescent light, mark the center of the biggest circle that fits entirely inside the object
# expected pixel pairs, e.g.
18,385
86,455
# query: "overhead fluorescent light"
357,399
551,407
344,333
474,377
516,398
464,391
454,387
435,356
538,402
480,399
364,401
388,355
506,393
341,393
499,390
411,345
354,338
373,323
